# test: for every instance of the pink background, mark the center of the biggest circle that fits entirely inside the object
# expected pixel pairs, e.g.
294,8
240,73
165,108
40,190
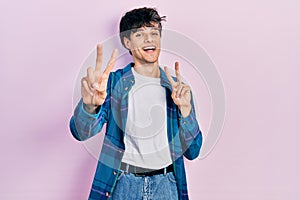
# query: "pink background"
254,45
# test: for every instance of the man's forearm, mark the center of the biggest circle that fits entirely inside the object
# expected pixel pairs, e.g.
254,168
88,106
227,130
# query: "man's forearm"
84,124
185,110
92,109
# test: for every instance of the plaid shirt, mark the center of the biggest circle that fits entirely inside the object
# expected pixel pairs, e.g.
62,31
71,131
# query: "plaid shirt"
184,135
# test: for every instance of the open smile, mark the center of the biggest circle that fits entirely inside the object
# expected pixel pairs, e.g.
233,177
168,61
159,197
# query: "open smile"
149,49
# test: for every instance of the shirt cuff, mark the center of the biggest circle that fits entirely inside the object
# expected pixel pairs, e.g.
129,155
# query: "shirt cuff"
83,114
189,123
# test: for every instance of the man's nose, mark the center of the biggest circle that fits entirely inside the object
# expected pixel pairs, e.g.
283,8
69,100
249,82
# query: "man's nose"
148,38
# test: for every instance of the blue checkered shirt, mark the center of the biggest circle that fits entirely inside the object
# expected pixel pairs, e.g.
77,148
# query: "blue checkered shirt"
184,135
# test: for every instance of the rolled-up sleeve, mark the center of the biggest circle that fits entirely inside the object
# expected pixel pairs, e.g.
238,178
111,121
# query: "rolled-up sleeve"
84,125
190,134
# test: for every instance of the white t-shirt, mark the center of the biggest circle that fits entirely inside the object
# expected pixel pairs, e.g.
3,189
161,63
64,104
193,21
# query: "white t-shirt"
146,140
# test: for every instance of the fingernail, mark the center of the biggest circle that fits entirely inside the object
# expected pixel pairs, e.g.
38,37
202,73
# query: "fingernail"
95,85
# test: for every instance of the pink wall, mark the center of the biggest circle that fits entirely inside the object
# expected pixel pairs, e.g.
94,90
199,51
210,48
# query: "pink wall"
254,45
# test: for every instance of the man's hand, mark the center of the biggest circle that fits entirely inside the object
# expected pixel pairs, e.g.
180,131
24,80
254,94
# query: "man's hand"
181,93
93,85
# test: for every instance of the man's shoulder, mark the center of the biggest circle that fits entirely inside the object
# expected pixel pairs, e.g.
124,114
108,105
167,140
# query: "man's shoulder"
123,70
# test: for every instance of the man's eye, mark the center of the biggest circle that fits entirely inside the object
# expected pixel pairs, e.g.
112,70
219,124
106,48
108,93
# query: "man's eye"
138,35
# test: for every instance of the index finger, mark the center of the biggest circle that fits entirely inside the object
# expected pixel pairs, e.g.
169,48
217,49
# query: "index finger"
169,76
177,72
99,57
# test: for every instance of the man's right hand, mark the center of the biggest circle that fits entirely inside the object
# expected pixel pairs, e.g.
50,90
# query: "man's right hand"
93,85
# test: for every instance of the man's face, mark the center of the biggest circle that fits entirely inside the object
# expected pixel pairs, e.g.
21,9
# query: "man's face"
144,44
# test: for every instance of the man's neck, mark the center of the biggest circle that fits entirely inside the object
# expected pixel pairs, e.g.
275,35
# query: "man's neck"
148,69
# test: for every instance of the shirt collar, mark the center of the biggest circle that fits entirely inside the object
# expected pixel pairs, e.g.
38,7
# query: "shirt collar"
128,78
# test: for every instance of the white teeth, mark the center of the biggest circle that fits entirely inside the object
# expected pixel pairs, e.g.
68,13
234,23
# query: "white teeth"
149,48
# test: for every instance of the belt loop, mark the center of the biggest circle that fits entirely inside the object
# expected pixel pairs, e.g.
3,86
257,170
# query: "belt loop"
165,171
127,168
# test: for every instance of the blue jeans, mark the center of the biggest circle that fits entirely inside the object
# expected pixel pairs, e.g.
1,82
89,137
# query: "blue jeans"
157,187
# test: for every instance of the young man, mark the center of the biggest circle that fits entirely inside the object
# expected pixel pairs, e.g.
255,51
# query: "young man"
149,115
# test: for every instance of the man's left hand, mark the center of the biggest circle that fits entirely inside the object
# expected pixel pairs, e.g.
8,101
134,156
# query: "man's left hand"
181,93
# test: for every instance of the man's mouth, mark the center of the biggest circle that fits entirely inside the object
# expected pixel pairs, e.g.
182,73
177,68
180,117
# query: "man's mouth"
149,49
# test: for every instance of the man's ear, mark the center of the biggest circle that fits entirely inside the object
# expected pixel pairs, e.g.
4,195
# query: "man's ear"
127,43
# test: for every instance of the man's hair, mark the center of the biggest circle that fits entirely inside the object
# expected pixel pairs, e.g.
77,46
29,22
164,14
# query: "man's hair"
137,18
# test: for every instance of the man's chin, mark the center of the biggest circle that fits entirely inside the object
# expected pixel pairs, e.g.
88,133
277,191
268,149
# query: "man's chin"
151,61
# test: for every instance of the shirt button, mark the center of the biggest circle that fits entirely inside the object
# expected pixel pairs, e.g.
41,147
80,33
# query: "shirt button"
124,79
184,122
126,88
114,173
107,194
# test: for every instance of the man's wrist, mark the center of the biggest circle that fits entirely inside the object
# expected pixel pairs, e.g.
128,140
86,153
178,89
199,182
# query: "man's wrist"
90,108
185,110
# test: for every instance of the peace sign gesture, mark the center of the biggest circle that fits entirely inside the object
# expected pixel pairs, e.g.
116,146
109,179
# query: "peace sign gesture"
181,93
94,84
